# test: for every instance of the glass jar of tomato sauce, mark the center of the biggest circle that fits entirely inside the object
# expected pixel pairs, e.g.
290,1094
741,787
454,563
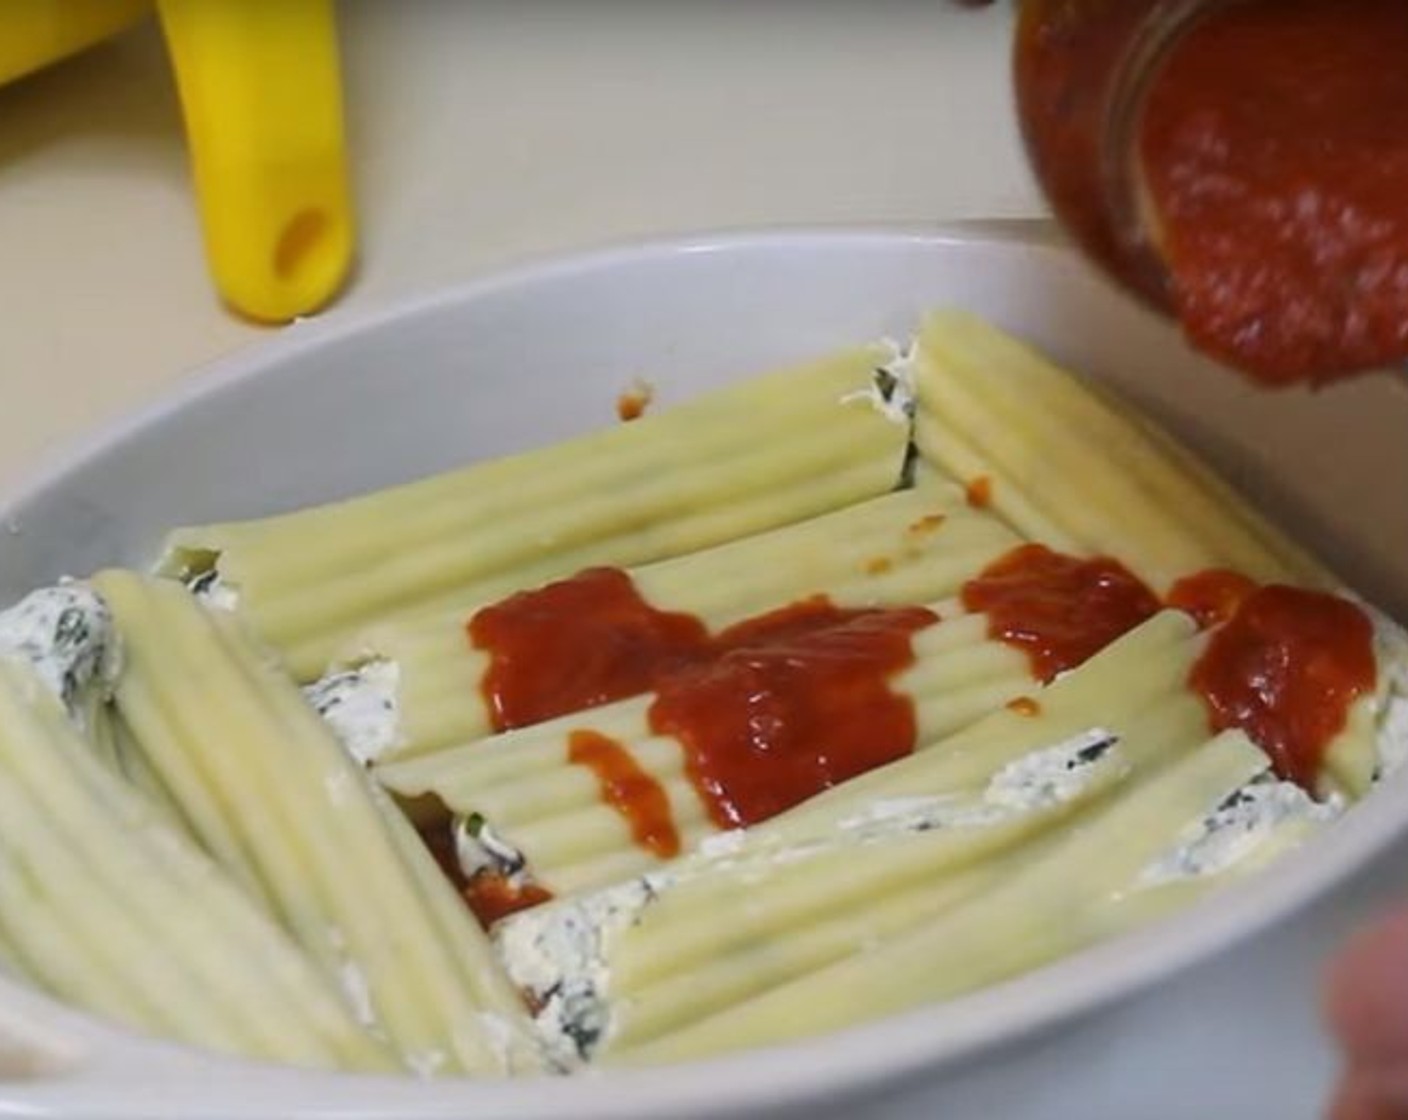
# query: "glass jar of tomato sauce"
1241,164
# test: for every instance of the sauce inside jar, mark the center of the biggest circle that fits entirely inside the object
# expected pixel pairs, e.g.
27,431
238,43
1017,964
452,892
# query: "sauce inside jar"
1275,150
1270,156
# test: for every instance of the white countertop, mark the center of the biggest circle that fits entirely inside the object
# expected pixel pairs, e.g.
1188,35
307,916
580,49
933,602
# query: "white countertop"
483,133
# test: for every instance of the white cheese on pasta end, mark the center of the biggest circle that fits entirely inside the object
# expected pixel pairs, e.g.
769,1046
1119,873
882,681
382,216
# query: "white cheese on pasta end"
212,590
352,980
558,954
480,850
1053,775
66,634
362,707
1393,731
891,391
1235,831
1041,779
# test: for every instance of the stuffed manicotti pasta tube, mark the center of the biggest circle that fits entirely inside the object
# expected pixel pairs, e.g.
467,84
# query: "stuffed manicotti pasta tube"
1018,839
767,452
415,687
107,901
269,791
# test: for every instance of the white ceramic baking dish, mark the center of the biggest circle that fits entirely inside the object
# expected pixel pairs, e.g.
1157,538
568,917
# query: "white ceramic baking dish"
1214,1009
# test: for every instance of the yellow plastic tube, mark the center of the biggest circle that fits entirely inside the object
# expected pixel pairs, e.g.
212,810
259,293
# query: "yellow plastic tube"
34,33
261,91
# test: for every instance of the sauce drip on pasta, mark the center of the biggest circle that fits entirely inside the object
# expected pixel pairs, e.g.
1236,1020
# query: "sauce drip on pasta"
628,789
1210,596
1285,669
578,643
1059,610
978,492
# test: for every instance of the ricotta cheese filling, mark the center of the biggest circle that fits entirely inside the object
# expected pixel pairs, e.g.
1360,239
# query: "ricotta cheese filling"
361,707
891,391
1042,779
211,589
559,953
479,850
1051,776
1237,829
66,634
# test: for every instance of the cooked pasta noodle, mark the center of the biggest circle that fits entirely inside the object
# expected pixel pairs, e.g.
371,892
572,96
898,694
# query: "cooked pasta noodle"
313,835
1053,906
1070,468
109,907
912,546
525,785
771,451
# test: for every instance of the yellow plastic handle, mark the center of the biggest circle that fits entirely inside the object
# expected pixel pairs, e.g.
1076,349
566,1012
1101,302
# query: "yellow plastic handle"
34,33
261,91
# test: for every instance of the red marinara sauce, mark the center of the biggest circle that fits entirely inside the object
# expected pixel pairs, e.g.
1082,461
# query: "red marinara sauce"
1067,56
797,701
1285,669
578,643
491,897
1269,156
770,711
1211,596
978,492
1058,609
628,789
1275,151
